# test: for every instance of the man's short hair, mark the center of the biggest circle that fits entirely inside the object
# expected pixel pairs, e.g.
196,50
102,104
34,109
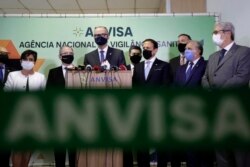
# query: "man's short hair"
227,26
152,41
134,47
186,35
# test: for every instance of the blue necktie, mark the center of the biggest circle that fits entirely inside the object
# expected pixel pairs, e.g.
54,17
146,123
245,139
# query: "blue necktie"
147,69
222,54
1,73
188,73
102,55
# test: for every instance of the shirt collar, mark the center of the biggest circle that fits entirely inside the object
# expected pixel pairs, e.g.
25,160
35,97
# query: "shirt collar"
228,47
104,49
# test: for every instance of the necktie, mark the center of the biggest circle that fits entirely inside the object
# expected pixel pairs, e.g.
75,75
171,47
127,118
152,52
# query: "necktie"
147,69
27,85
182,60
222,54
188,72
102,55
1,73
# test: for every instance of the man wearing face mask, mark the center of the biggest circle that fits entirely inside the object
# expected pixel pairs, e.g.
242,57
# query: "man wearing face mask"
56,79
150,73
229,67
25,80
134,56
115,57
180,60
190,74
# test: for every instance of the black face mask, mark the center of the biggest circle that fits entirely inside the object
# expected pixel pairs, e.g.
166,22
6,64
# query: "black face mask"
101,40
67,59
181,47
135,59
147,54
4,58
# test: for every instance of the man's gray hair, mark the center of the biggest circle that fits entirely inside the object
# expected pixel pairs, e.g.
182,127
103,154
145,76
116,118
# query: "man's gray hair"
227,26
65,46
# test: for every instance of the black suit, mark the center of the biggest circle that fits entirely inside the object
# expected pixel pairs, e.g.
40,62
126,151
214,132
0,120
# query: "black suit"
4,154
56,79
114,56
159,75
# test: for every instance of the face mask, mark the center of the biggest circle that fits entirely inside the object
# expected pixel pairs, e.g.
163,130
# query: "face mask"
27,65
217,39
189,55
4,58
181,47
101,40
67,59
147,54
135,59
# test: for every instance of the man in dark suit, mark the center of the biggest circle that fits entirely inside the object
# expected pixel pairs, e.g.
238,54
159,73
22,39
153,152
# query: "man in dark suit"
134,56
190,75
56,78
193,55
180,60
115,57
150,73
229,67
4,71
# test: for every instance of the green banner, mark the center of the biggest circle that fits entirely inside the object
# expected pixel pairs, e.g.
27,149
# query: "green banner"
135,118
47,34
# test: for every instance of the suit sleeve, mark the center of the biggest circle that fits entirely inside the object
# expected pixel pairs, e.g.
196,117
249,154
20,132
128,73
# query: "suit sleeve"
122,59
49,80
167,79
205,81
242,75
85,61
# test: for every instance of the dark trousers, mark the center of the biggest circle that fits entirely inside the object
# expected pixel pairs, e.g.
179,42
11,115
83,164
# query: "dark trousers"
233,158
5,158
143,158
127,158
60,156
174,157
200,159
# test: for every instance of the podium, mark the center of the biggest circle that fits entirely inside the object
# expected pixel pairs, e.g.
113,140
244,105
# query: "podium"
92,80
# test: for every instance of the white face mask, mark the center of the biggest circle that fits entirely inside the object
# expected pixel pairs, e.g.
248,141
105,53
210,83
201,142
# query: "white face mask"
217,39
27,65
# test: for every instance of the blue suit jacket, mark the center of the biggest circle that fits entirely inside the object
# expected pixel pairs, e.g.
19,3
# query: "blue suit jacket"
195,77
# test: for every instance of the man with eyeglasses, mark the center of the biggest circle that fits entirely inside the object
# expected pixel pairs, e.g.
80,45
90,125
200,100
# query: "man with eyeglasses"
56,79
115,57
227,68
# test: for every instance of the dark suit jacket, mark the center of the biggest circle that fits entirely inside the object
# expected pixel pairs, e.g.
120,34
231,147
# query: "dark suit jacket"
55,78
232,71
114,56
159,74
195,76
6,72
174,64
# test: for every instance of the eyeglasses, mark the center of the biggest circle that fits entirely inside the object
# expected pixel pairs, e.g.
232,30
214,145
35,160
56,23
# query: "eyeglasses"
216,32
100,35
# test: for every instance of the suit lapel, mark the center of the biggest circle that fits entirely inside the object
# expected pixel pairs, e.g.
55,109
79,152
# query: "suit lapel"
228,55
154,65
194,69
96,58
109,54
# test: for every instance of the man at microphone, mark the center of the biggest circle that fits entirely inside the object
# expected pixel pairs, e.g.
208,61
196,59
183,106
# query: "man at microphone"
104,53
56,78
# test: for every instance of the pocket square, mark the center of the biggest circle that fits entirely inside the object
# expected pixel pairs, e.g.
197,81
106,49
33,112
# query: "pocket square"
157,69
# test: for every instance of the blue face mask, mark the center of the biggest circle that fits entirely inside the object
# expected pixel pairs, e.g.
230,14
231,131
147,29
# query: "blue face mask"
189,55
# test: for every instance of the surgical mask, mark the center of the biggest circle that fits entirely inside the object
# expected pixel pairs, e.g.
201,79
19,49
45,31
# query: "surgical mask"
4,58
67,59
189,55
217,39
147,54
27,65
135,59
101,40
181,47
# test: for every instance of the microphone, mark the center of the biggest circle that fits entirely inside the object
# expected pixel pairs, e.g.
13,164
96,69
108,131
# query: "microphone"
81,67
122,67
88,67
96,68
103,68
114,68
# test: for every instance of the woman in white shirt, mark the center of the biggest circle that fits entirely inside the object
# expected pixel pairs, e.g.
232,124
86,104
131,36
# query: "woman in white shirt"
25,80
